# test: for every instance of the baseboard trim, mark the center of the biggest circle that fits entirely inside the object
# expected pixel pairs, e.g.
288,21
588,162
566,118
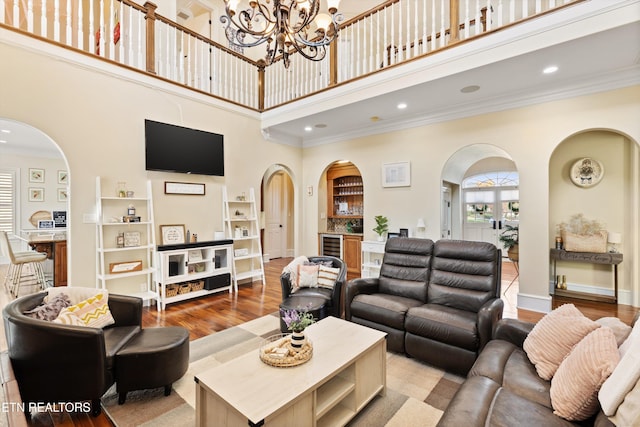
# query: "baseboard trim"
537,303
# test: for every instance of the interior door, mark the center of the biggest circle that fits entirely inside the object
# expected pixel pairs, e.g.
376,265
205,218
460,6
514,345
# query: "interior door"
487,210
274,244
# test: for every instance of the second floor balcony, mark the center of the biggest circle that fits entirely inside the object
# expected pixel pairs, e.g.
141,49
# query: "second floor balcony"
398,47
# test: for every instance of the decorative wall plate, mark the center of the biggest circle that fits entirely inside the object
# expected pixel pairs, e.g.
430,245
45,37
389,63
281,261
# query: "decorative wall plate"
586,172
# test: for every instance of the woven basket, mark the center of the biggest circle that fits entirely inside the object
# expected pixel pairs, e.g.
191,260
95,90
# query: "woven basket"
197,285
184,288
171,291
596,243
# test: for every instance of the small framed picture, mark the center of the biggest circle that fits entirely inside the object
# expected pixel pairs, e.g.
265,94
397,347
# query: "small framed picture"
131,239
62,195
396,174
172,234
36,194
63,177
36,175
404,232
390,235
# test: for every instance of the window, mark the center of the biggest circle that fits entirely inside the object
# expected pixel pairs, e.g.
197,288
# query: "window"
7,200
492,179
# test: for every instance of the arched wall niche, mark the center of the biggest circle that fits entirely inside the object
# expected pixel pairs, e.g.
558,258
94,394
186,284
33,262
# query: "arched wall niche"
614,202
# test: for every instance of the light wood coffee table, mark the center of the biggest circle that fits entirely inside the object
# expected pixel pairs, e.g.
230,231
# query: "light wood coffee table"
347,370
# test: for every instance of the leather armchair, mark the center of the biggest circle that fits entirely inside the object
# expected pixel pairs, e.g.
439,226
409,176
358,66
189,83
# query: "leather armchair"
62,363
333,297
382,303
463,305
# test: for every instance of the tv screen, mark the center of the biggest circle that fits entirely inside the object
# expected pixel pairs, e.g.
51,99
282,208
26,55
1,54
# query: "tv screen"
172,148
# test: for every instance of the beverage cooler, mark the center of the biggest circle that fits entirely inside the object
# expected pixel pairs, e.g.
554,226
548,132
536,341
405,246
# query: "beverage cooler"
331,245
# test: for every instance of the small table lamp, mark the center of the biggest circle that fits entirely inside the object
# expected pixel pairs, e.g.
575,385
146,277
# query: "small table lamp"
614,239
421,228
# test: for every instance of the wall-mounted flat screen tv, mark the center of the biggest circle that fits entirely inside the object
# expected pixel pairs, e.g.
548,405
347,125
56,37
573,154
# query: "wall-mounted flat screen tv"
172,148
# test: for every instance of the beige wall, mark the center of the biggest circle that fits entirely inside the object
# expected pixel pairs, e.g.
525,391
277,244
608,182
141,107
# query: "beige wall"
97,119
528,135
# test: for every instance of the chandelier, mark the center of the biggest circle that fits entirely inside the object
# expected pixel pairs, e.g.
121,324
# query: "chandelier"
286,26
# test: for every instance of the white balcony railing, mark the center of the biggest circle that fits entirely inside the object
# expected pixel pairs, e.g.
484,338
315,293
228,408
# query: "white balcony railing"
134,36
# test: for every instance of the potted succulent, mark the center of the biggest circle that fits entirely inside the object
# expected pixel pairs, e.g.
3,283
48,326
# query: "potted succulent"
510,239
382,226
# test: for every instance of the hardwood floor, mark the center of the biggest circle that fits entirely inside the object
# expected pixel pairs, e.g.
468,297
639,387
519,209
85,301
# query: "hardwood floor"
207,315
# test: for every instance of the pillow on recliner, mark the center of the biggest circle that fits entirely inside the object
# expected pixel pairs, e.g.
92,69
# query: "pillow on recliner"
327,277
93,312
307,277
553,337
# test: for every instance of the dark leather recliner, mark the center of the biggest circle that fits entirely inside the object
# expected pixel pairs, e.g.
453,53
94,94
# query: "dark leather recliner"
463,305
382,303
438,302
334,305
62,363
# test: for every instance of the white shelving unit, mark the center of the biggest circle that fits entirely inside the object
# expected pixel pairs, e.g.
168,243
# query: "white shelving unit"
241,224
372,254
135,247
191,263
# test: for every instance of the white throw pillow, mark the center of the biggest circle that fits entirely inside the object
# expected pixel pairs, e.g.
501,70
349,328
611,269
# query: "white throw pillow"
76,293
623,379
292,269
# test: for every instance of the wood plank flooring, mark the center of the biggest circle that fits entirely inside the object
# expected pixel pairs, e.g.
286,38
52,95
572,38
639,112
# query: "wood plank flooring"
207,315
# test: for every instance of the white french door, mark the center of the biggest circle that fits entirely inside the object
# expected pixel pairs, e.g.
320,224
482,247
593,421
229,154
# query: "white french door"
486,211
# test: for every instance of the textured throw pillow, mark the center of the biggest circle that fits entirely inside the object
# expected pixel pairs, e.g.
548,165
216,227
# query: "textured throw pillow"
553,337
292,270
49,310
628,413
94,311
75,293
66,317
620,329
575,386
308,276
623,379
327,277
634,335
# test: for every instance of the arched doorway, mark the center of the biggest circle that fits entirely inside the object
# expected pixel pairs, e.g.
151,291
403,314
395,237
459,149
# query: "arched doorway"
278,219
479,193
35,184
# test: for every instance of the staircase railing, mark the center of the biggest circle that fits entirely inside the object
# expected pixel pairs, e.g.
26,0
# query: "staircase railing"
389,35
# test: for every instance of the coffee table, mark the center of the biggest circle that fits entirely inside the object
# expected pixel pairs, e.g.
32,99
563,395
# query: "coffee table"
347,370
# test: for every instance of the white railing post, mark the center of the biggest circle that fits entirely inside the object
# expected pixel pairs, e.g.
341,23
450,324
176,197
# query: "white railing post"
16,14
30,16
56,20
69,34
2,11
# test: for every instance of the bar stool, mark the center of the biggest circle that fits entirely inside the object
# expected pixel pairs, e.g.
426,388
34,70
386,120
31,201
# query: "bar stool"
18,260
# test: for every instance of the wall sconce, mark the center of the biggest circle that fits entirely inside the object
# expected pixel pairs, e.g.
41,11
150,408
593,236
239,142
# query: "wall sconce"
614,240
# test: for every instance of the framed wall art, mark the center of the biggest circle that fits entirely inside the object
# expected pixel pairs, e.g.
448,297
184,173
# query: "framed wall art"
172,234
189,188
586,172
36,175
62,195
36,194
396,174
63,177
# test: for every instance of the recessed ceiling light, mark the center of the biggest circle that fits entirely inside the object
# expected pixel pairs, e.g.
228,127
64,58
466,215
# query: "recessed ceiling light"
374,118
308,128
5,131
321,126
551,69
470,89
2,141
402,106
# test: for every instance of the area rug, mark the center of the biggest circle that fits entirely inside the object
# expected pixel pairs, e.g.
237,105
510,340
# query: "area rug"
415,391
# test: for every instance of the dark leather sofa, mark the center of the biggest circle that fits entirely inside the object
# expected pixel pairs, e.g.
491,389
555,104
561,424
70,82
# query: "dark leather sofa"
332,297
438,302
62,363
503,388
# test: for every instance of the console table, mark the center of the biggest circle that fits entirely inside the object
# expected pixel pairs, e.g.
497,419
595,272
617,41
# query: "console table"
591,258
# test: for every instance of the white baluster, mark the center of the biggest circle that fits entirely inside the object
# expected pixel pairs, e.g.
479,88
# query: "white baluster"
102,28
489,15
538,6
30,16
80,34
69,32
16,14
425,48
43,19
512,11
56,20
392,44
416,39
121,49
385,57
467,19
525,9
433,25
478,18
400,31
442,25
141,47
92,40
372,44
500,11
109,36
552,3
2,11
408,40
